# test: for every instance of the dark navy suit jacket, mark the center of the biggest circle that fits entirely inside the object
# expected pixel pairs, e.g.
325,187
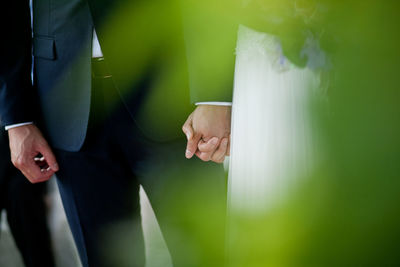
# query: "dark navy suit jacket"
145,51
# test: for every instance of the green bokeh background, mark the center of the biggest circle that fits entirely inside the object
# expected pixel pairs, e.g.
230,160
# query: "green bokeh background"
347,212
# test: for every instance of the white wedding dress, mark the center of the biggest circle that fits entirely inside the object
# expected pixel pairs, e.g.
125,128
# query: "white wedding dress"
271,136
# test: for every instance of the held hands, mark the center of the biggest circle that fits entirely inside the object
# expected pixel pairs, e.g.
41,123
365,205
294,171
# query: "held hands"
31,154
208,133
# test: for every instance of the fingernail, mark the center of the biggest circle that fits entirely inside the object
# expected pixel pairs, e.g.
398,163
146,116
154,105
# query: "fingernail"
55,167
214,141
188,154
225,142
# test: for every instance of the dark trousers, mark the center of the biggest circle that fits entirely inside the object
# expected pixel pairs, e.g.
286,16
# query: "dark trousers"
99,186
26,212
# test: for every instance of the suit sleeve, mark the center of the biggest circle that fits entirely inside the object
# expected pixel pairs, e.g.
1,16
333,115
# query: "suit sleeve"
210,33
17,101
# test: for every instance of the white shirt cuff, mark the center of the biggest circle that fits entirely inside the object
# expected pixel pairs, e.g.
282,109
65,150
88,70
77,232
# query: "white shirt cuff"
214,103
8,127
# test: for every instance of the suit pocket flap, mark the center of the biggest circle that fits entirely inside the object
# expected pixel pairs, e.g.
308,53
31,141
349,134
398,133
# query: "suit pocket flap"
44,47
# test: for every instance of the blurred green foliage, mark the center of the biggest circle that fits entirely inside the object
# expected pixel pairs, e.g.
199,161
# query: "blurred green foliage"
347,212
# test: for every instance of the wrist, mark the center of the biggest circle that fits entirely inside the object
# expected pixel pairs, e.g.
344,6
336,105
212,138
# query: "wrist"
23,130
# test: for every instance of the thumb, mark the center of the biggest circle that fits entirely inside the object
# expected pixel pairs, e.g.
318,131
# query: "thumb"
192,138
191,147
188,129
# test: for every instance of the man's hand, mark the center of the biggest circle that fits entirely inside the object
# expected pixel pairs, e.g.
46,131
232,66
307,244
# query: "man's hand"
208,132
31,154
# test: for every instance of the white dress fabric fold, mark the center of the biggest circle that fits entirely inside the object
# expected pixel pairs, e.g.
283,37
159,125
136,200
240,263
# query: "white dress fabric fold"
271,135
